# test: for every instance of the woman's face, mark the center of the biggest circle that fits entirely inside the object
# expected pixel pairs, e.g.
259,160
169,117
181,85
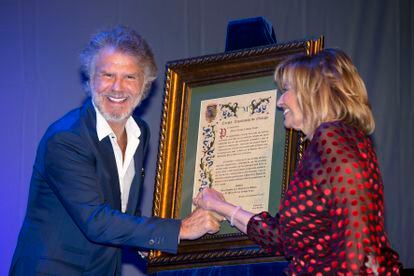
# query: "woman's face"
292,113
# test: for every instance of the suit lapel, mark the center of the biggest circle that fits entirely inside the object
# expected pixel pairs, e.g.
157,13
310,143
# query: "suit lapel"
106,164
108,158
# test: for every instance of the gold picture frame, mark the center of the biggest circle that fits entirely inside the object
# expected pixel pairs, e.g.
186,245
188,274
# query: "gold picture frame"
183,78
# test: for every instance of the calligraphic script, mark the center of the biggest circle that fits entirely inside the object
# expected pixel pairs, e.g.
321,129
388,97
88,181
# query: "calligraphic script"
234,148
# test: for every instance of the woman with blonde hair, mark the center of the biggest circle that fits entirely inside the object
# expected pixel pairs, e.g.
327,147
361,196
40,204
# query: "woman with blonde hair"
331,219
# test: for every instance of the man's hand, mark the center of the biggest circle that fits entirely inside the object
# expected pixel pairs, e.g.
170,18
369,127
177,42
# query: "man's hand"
198,223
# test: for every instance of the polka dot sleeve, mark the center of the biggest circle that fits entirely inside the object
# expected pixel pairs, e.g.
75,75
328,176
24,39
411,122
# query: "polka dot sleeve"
263,230
352,186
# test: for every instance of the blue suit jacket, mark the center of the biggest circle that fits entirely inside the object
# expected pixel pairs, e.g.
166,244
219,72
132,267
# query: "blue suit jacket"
73,224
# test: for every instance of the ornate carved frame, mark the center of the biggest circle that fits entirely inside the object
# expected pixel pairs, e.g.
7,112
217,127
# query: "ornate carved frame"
181,77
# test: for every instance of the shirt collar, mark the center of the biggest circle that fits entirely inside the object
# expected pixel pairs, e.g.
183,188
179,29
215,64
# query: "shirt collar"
103,129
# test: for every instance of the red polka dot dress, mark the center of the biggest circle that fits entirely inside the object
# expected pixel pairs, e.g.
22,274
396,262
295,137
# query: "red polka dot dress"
331,218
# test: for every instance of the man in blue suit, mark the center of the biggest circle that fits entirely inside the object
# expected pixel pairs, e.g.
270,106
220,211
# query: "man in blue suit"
87,177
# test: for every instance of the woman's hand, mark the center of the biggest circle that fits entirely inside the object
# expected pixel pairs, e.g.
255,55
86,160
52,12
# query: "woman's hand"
212,200
208,198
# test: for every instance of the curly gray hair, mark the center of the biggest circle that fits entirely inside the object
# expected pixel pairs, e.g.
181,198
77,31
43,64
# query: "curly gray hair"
122,39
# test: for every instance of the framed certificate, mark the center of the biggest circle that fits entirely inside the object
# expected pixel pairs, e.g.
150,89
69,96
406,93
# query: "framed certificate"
221,128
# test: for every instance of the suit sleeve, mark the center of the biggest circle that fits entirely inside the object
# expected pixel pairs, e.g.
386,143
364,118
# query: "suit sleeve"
70,170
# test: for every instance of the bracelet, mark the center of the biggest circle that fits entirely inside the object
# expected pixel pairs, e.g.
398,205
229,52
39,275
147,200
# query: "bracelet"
233,214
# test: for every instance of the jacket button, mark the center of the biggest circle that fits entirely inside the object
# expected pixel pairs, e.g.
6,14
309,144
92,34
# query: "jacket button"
151,242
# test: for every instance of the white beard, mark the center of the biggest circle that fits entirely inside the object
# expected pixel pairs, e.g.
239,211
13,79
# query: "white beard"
110,117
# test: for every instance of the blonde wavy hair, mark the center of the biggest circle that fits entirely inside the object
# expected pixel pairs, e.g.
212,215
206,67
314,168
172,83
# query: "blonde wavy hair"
328,88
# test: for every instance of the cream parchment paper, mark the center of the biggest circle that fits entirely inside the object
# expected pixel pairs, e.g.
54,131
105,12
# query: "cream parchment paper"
234,148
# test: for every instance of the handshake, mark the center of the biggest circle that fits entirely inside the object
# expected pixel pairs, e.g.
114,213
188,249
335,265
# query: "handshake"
206,218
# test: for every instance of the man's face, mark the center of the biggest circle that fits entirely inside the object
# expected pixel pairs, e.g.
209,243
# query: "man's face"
116,84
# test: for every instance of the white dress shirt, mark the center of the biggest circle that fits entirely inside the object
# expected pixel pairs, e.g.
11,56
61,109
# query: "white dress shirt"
126,167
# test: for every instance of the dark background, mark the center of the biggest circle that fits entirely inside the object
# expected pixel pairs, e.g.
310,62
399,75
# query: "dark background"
39,78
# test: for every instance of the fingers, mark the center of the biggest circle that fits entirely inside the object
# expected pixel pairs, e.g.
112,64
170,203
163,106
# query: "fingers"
221,196
217,216
207,198
200,202
213,223
197,200
214,228
199,223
